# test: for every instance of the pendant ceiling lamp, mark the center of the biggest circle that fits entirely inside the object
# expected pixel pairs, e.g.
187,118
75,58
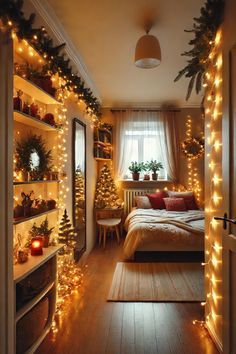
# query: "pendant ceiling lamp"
147,51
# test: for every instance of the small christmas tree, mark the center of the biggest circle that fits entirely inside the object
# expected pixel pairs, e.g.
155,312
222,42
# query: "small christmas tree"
106,193
66,233
79,189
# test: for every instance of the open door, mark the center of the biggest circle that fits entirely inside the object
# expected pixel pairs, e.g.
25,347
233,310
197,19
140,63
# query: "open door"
229,224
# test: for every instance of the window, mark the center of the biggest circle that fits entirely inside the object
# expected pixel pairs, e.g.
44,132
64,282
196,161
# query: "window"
143,145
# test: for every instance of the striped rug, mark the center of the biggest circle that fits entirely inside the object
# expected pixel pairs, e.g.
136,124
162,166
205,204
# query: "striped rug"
157,282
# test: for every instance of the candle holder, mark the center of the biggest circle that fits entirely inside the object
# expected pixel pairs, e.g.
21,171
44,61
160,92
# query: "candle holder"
36,246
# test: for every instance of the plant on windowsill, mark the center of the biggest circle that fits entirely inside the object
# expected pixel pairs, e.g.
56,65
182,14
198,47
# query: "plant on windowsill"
136,168
146,169
154,166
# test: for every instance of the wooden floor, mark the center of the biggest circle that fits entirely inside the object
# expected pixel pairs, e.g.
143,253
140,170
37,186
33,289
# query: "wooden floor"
93,326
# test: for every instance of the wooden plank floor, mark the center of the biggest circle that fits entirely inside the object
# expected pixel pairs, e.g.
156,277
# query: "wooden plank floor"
91,325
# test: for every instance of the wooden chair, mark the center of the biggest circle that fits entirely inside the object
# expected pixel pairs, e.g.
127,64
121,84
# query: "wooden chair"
109,220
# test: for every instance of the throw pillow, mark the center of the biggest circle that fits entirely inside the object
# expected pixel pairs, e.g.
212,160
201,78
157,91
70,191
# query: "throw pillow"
156,200
175,204
142,202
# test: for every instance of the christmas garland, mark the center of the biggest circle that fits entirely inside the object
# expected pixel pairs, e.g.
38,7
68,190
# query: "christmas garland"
204,29
12,16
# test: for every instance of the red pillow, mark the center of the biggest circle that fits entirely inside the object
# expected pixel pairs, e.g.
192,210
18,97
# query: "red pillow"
156,200
175,204
190,202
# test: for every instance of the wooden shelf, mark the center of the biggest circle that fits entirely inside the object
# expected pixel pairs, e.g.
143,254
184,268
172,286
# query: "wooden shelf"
15,183
16,222
27,307
102,159
32,121
102,143
23,270
39,340
34,91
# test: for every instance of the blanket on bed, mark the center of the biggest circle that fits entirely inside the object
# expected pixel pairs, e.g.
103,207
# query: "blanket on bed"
150,225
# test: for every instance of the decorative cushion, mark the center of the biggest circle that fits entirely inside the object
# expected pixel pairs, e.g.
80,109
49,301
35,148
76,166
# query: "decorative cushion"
142,202
156,200
174,194
190,202
175,204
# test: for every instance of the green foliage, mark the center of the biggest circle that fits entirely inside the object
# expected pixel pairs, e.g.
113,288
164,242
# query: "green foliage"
42,230
153,166
24,150
137,167
204,28
38,38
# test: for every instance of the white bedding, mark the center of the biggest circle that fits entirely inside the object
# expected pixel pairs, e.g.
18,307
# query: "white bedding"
154,229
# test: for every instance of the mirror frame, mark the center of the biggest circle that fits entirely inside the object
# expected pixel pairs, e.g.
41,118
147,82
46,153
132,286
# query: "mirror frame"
78,253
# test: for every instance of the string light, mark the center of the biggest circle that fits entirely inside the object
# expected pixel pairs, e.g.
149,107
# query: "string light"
213,242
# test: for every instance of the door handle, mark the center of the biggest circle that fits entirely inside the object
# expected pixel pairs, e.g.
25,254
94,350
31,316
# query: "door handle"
225,220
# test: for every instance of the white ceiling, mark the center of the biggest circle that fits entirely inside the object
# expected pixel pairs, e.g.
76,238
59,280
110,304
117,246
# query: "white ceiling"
105,33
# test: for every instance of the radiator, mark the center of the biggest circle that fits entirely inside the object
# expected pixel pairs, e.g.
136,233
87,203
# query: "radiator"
129,195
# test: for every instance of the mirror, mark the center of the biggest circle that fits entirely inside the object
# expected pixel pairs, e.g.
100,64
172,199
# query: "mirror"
79,185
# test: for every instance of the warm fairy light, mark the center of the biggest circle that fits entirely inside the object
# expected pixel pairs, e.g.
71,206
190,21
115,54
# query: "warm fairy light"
216,179
213,250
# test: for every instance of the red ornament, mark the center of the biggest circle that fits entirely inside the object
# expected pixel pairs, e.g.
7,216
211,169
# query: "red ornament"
36,246
49,119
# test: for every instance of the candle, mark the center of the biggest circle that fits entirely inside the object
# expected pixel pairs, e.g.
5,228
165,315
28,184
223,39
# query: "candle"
36,246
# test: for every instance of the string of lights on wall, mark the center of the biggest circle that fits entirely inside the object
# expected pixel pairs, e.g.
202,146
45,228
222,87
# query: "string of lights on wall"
213,242
192,155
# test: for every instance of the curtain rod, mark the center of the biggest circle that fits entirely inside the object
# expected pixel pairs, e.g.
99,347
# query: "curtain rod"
143,109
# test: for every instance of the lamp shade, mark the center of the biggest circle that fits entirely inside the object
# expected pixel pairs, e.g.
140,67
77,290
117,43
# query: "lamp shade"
147,52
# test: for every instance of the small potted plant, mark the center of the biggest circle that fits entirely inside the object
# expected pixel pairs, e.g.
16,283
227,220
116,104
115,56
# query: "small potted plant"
154,166
43,230
146,169
136,168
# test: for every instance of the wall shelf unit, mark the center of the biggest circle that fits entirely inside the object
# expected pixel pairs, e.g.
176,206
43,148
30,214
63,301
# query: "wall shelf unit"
34,91
20,220
103,143
32,121
35,281
16,183
26,273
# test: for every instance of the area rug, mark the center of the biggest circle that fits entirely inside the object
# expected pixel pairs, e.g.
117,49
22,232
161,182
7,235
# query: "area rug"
157,282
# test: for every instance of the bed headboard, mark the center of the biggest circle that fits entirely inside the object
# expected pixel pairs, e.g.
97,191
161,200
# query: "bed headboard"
129,195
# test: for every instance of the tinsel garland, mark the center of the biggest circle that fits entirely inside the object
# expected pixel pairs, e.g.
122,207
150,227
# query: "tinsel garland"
12,16
204,29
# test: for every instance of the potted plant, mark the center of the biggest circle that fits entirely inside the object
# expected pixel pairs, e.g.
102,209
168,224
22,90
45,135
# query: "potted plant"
146,169
136,168
43,230
154,166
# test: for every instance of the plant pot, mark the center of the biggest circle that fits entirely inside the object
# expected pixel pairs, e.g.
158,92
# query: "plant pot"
146,177
154,176
18,211
45,241
17,103
135,176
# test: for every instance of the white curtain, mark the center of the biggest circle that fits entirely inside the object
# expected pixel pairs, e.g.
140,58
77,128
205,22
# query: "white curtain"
144,135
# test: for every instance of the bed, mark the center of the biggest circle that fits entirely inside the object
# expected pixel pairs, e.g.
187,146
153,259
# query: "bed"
161,230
